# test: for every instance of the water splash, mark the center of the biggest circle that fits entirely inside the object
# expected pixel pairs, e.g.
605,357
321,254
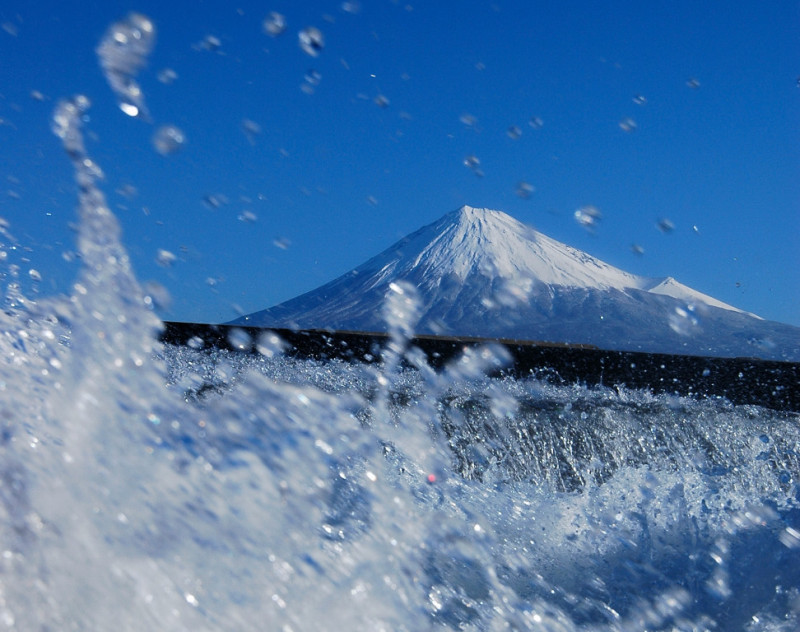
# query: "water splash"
173,488
122,52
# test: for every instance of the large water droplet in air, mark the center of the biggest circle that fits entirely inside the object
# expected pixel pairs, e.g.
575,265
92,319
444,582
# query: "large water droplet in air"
474,163
122,53
536,122
167,76
684,321
168,139
165,258
665,225
274,24
525,190
251,130
588,217
468,119
311,40
210,43
627,125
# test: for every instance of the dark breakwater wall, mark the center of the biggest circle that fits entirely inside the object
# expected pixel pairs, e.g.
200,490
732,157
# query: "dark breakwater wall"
741,380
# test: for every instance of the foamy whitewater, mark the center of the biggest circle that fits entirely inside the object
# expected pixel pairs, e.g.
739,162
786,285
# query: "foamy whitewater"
145,487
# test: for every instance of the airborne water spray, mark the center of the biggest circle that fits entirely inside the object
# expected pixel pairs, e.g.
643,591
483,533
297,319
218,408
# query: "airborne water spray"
288,499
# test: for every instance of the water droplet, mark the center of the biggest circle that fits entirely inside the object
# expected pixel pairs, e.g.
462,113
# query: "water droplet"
269,344
281,242
167,76
684,321
168,139
693,83
156,295
313,77
468,119
214,200
311,40
637,249
247,216
588,216
665,225
239,339
274,24
351,7
165,258
639,99
790,538
473,163
34,275
130,109
37,96
627,125
514,132
251,129
10,28
525,189
122,52
210,43
381,101
535,122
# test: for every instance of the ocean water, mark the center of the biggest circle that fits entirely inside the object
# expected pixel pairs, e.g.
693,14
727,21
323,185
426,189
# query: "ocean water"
145,487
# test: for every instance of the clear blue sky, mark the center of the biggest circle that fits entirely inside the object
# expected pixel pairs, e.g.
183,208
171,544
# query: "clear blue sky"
333,178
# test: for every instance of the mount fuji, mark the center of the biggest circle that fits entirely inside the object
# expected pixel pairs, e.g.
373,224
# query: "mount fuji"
481,273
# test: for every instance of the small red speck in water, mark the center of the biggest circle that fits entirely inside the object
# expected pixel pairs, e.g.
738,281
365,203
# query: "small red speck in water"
431,478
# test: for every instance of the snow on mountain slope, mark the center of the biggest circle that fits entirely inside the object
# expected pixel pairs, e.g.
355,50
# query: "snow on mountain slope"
671,287
480,272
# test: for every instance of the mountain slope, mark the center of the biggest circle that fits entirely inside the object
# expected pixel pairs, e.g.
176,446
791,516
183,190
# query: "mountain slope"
480,272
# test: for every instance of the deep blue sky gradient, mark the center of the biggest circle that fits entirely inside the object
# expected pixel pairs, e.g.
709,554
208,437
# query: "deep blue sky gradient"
338,178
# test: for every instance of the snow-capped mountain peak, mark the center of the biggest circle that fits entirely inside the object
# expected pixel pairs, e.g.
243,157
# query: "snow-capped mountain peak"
495,244
480,272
